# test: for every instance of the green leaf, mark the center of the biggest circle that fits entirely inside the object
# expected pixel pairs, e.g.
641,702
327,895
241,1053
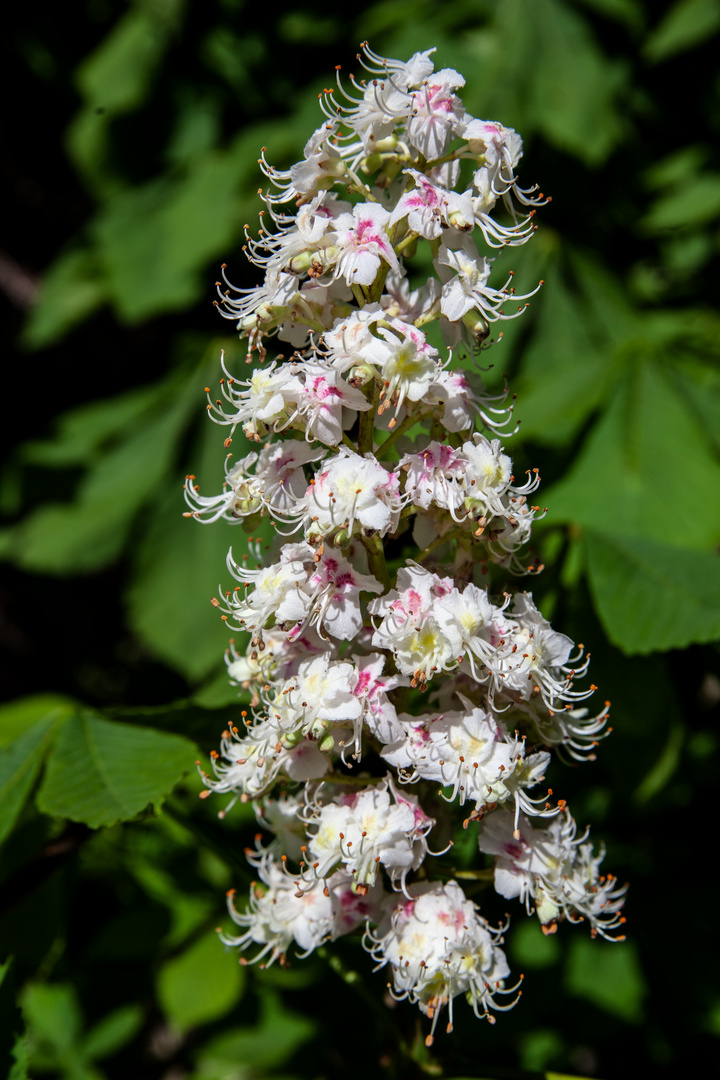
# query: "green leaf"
91,532
555,392
83,433
646,470
607,974
180,567
652,596
688,23
627,11
273,1041
53,1014
664,768
101,771
19,766
695,203
116,77
13,1042
154,241
586,122
112,1032
531,948
18,716
72,289
201,984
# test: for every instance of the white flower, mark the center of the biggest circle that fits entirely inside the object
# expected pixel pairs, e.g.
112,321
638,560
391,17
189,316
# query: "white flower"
469,751
438,946
420,644
275,483
431,475
275,655
469,290
437,114
400,303
407,364
330,597
555,869
361,831
320,396
259,404
352,491
349,336
363,242
322,165
280,913
247,766
372,688
538,661
273,584
312,702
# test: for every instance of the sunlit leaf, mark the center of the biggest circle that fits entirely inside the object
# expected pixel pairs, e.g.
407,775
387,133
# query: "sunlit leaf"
116,76
52,1013
181,566
696,203
154,240
652,596
19,716
201,984
101,771
91,532
19,766
112,1032
688,23
607,974
555,392
72,289
84,433
646,470
276,1038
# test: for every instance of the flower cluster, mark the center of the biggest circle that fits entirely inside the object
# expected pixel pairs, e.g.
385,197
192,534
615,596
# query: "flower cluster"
386,646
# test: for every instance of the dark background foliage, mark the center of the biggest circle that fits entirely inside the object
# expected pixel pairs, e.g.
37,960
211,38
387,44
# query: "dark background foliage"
131,133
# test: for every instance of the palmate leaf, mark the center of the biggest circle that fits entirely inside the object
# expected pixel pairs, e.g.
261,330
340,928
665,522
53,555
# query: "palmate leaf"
19,766
688,23
92,530
101,771
650,595
203,964
608,975
646,470
275,1039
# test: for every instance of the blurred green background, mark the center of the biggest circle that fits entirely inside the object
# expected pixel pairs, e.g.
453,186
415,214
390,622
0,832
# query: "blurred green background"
131,136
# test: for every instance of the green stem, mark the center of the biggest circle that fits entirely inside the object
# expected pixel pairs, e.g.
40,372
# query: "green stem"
367,422
360,298
360,186
406,241
375,290
376,559
410,420
455,534
427,317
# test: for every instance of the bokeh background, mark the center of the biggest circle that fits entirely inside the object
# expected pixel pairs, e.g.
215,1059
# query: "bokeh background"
131,133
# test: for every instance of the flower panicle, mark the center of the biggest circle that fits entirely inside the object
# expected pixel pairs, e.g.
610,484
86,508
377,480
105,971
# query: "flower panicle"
390,659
